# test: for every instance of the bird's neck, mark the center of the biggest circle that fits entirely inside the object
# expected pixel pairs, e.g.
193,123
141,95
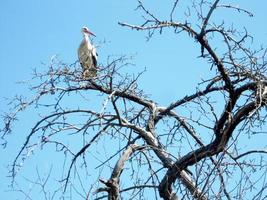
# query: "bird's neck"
86,37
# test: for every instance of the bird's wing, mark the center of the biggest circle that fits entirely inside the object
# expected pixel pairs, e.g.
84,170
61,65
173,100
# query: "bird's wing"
94,56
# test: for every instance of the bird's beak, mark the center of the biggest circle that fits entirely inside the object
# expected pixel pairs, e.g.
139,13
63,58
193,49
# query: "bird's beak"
90,33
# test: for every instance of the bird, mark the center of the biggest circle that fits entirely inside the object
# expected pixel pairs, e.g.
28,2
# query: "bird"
87,55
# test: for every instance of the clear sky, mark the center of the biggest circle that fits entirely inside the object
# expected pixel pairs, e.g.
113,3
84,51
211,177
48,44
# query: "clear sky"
32,31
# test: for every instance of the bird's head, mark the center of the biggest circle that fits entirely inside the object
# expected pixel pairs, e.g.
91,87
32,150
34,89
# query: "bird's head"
86,31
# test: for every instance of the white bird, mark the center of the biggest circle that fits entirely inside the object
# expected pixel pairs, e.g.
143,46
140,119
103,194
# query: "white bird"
87,55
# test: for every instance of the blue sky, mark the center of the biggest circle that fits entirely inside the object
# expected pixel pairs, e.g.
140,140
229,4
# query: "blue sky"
32,31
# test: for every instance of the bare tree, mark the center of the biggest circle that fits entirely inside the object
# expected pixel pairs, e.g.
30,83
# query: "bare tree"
190,149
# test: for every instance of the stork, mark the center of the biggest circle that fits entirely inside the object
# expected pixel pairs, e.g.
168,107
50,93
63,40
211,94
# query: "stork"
87,55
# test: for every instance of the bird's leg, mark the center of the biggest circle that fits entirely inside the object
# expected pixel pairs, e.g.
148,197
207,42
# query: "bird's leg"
92,72
86,74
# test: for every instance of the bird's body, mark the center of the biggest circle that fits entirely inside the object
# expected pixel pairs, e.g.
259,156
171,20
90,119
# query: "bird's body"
87,55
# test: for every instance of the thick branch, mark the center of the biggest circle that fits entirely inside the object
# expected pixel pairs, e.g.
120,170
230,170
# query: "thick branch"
112,184
209,150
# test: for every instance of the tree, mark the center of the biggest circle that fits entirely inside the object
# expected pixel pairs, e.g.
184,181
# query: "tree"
188,149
